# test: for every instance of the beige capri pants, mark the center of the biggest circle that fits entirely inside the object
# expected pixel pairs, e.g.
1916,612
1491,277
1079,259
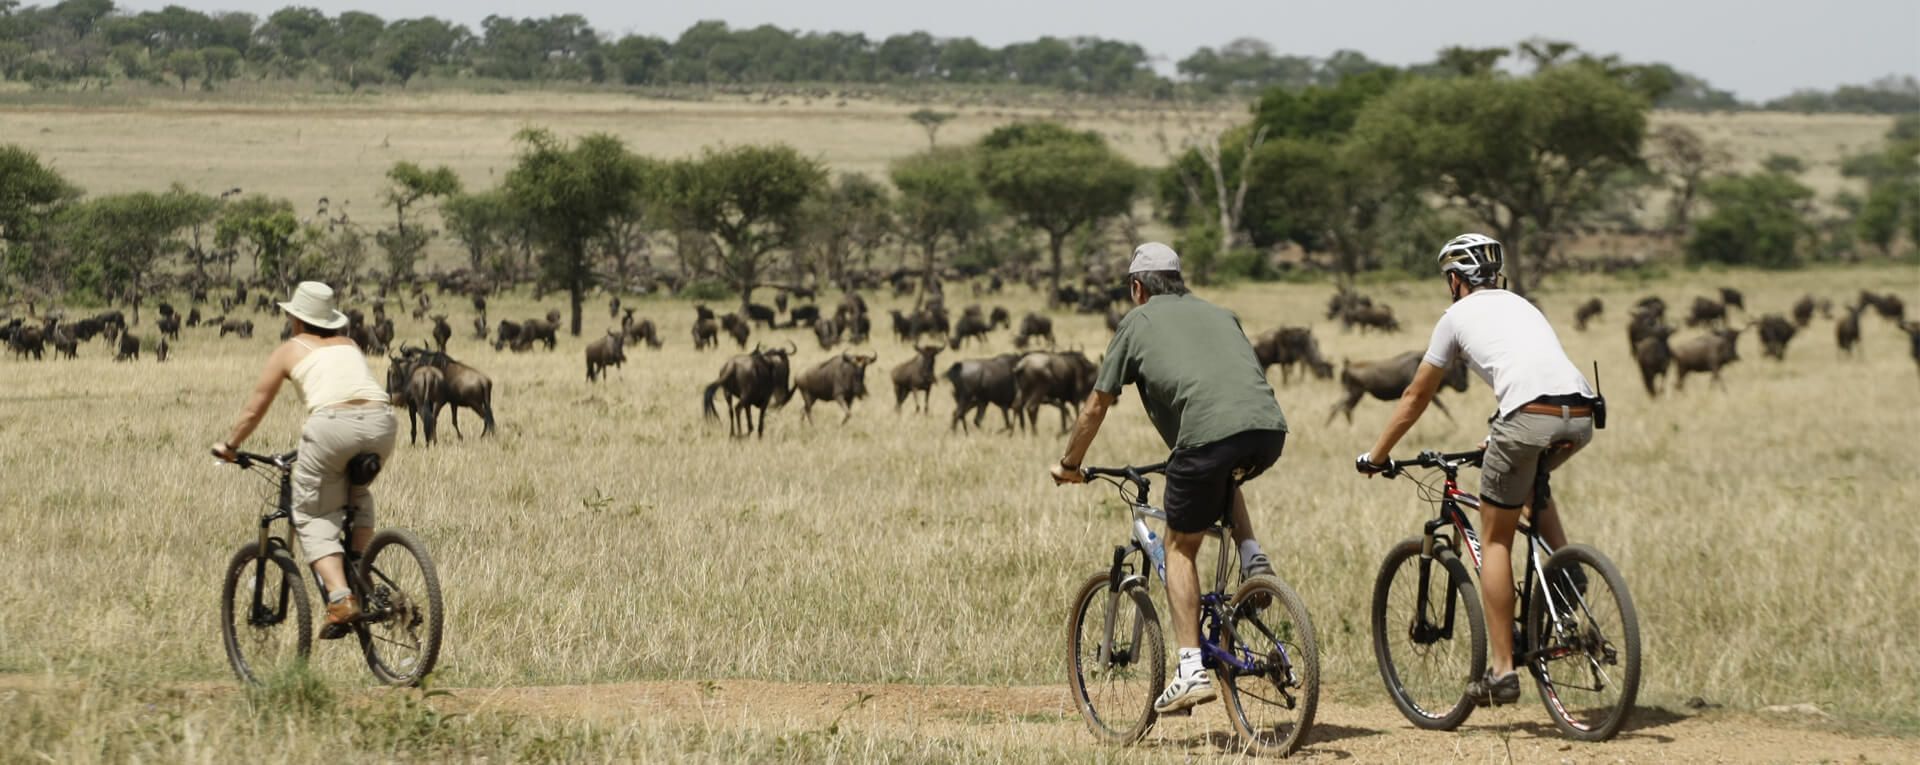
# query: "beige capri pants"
330,438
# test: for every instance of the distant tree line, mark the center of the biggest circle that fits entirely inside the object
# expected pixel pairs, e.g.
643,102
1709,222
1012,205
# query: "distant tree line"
88,43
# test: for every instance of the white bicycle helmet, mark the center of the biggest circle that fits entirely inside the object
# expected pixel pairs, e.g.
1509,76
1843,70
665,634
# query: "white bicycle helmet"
1474,257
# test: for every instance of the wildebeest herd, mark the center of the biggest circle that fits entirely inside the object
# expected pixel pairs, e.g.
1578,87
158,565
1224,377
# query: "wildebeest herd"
1650,336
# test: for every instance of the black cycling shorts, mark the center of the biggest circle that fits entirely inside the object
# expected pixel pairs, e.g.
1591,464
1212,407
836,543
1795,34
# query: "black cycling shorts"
1201,479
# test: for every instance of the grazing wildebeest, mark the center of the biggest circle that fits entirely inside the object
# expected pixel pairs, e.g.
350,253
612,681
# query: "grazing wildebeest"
442,332
1061,378
915,375
759,313
27,340
1706,311
1367,317
1587,312
507,334
1388,379
1290,346
979,382
161,350
1344,300
1803,311
422,389
169,326
1775,333
465,387
1652,354
241,327
1706,353
998,318
65,342
737,327
643,331
1847,329
706,334
827,331
803,315
1067,295
1889,305
193,317
1732,297
539,331
1031,326
972,325
840,379
750,381
129,348
907,328
608,351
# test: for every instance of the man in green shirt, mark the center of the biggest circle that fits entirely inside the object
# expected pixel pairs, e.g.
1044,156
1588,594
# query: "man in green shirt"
1208,396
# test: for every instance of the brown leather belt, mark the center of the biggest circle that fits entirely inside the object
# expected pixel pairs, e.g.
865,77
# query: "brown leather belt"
1556,411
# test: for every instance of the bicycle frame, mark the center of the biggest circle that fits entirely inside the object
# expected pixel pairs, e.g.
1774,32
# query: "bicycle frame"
261,615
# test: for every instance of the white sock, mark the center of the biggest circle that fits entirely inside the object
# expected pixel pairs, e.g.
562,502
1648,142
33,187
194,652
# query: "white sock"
339,595
1189,662
1248,549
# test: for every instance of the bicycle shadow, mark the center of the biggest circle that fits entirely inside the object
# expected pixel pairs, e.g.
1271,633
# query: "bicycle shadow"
1315,743
1643,719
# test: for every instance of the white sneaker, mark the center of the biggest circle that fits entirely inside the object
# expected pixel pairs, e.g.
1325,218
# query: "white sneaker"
1184,693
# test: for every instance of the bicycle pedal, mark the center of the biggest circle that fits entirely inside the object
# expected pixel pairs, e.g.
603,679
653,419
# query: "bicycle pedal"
1183,712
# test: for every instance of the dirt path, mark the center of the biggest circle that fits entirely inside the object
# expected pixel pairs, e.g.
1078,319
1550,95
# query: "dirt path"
1373,733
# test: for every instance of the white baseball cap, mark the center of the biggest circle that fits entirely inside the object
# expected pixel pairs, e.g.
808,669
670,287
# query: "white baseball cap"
1154,256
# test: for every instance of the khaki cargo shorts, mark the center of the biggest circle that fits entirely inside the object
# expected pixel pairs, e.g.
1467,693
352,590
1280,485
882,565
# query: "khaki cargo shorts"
1521,452
330,438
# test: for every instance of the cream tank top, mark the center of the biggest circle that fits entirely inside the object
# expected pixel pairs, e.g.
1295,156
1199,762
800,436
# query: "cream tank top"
332,374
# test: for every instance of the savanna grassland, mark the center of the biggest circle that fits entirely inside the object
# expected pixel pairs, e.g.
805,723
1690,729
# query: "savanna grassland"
609,536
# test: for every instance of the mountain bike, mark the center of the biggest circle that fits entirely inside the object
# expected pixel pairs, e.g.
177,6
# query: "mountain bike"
1258,639
1581,646
266,618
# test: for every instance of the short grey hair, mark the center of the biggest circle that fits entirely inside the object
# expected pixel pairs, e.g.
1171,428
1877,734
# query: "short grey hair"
1161,282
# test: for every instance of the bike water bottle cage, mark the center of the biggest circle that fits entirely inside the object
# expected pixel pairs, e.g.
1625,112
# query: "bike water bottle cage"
363,468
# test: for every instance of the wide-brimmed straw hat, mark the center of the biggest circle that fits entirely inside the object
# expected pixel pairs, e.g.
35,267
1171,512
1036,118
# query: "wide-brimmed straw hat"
312,304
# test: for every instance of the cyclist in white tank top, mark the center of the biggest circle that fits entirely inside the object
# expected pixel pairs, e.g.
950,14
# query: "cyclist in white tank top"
347,415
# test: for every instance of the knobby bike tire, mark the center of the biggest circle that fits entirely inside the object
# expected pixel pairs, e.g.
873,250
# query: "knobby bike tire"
1120,721
1623,638
1248,697
296,619
418,618
1440,710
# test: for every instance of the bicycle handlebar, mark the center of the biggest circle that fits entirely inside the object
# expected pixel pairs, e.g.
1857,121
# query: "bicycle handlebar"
1433,459
1130,472
246,460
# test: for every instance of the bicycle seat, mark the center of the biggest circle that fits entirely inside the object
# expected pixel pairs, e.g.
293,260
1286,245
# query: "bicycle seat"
363,468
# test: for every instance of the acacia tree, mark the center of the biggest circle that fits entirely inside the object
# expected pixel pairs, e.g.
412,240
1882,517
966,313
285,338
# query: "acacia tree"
266,227
409,184
856,214
747,200
1529,157
125,237
940,199
1056,181
930,121
1686,159
569,196
31,197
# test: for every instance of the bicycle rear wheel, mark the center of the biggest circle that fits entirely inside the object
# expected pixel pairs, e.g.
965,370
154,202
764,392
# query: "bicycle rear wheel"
1114,691
266,621
1428,647
1586,657
1271,705
401,633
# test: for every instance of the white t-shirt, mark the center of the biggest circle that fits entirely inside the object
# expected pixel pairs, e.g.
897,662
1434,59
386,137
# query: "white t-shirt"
1510,345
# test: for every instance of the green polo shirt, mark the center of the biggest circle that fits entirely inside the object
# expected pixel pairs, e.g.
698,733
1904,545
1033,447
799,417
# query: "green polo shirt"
1195,370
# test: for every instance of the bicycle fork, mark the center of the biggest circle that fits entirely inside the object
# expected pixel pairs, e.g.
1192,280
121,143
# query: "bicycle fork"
1120,580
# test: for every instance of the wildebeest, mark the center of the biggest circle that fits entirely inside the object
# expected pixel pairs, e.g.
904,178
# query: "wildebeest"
1775,333
979,382
1388,379
737,327
442,332
1062,378
1031,326
421,305
1587,312
193,317
507,334
27,340
851,305
1803,311
915,375
1889,305
541,330
419,387
803,315
998,318
1706,311
1344,300
465,387
840,379
1707,353
1732,297
706,333
756,312
1367,317
608,351
1652,354
65,342
129,348
972,325
750,381
643,331
241,327
480,328
780,301
161,350
827,331
1847,329
169,326
613,307
1912,328
1290,346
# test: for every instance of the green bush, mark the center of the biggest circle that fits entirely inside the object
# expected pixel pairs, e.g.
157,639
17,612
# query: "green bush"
1757,220
707,289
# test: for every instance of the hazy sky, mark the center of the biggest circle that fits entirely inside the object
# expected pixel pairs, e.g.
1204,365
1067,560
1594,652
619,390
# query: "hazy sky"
1759,49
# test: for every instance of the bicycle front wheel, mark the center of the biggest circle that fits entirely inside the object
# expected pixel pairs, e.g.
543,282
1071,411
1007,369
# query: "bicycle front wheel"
1272,698
401,633
1428,635
1116,660
1585,636
266,621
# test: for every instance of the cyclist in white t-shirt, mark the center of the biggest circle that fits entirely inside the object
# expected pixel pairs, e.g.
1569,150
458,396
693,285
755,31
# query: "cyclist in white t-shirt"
1545,415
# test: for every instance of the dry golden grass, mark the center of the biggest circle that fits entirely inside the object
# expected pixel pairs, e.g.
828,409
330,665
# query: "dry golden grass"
609,533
